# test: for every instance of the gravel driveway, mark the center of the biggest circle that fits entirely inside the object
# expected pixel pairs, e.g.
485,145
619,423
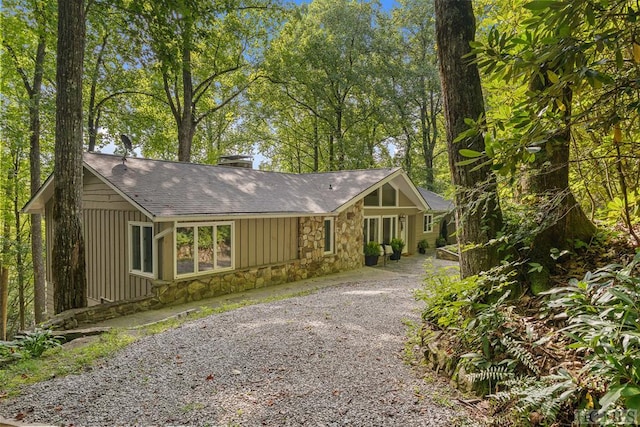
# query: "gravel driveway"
333,358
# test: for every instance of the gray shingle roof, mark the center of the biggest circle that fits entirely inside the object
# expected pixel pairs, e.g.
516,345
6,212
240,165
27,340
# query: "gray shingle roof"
172,189
436,201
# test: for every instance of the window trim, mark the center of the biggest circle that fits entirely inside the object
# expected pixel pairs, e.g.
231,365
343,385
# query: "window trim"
142,273
394,227
367,220
396,202
332,234
428,229
379,204
195,226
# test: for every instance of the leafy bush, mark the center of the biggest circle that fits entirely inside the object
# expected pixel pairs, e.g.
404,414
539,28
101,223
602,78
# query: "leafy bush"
397,244
372,249
35,343
603,321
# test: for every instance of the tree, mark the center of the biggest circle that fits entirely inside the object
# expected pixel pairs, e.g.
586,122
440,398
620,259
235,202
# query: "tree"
415,87
68,259
33,88
477,208
322,62
202,52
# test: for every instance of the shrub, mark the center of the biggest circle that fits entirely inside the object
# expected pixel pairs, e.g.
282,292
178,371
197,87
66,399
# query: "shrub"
372,249
603,311
397,245
35,343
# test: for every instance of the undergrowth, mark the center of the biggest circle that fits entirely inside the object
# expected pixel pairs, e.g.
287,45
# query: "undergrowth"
569,356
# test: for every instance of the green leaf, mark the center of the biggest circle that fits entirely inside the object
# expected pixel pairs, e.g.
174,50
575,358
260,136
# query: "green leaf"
539,4
553,77
588,11
470,153
467,162
611,397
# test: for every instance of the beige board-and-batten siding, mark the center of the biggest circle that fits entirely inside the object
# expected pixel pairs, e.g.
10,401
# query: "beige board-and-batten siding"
106,216
262,241
106,223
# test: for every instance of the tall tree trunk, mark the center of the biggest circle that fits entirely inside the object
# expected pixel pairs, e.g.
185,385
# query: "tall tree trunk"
18,245
4,260
39,297
477,208
69,278
186,126
316,145
93,113
340,139
548,180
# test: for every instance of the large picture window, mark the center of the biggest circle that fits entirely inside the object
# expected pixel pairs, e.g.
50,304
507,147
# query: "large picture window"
202,248
141,248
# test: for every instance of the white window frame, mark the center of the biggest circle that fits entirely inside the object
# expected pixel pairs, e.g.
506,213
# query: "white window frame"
141,272
195,226
379,205
394,225
367,219
332,235
427,227
397,194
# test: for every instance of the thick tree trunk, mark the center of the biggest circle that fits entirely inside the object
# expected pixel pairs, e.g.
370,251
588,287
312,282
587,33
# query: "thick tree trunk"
548,180
477,208
69,279
37,257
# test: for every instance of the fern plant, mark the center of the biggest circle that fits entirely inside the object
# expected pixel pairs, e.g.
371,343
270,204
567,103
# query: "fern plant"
603,310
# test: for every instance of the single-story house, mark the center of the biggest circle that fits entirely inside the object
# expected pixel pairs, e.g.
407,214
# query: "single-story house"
164,232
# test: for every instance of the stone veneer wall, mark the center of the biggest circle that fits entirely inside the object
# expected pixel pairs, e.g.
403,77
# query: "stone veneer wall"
312,262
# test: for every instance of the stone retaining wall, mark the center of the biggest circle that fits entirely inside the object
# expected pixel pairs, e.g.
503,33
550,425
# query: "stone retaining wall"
312,262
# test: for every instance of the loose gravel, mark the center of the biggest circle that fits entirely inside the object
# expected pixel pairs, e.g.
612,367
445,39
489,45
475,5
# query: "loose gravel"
333,358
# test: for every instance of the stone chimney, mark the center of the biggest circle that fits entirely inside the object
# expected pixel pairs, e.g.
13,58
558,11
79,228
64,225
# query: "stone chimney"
237,161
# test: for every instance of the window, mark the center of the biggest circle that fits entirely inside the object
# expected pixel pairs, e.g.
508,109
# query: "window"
389,228
388,195
202,248
371,232
141,248
383,196
372,199
428,223
328,235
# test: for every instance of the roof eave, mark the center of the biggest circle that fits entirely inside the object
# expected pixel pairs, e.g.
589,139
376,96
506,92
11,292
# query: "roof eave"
393,174
122,194
32,207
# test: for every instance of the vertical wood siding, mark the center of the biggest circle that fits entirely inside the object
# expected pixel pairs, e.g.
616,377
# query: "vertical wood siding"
106,244
106,227
265,241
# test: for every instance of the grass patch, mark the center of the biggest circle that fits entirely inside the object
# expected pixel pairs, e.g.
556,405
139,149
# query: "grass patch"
60,361
63,361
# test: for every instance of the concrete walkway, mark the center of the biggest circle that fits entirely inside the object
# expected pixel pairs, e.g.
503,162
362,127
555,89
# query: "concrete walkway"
411,265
